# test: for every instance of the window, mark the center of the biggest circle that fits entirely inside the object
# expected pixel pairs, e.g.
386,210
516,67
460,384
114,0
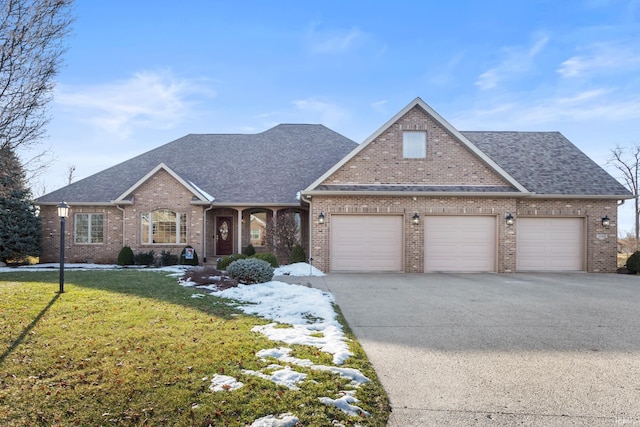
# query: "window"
258,226
88,228
414,145
164,226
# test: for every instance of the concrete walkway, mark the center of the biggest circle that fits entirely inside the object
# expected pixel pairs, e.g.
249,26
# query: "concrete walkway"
499,350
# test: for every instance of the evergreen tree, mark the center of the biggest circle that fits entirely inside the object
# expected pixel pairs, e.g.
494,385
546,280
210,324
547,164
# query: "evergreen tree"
20,230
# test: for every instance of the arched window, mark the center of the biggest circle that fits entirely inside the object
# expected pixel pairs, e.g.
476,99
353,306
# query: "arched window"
163,226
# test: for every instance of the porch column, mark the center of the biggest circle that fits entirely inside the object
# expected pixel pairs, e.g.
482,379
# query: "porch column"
240,210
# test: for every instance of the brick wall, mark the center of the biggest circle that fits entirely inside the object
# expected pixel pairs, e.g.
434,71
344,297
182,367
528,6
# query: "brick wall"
600,242
447,162
161,191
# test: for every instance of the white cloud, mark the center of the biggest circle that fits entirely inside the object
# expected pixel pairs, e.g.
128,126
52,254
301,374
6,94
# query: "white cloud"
145,100
335,41
516,60
601,57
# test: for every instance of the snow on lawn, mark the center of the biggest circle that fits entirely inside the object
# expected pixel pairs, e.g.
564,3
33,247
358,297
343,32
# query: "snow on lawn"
224,383
297,269
282,420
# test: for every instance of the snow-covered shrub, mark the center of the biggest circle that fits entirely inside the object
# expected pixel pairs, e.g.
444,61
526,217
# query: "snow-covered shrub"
250,271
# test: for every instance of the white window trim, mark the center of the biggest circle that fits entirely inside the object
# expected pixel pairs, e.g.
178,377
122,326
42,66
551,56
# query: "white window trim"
89,228
414,147
150,228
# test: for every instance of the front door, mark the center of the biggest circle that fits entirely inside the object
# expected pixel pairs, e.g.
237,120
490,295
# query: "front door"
224,235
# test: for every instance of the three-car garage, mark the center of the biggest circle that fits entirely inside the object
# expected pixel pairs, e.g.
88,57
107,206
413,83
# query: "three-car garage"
456,243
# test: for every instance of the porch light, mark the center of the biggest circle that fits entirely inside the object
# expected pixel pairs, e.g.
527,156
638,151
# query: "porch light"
63,213
321,218
606,222
510,219
416,219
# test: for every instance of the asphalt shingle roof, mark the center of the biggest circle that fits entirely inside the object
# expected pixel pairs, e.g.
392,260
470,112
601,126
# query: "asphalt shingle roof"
268,167
546,163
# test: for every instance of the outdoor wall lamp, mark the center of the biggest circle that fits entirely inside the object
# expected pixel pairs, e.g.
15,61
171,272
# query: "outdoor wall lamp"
416,219
321,218
606,221
63,213
510,219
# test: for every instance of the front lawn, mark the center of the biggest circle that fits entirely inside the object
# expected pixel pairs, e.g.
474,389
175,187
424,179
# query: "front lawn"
131,347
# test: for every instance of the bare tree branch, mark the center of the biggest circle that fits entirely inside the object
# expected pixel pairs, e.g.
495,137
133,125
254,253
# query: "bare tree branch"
32,34
627,162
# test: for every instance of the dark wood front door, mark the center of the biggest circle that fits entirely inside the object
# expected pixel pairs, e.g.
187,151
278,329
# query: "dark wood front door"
224,235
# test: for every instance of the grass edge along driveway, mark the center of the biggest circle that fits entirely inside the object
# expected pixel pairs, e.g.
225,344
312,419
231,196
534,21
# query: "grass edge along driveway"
131,347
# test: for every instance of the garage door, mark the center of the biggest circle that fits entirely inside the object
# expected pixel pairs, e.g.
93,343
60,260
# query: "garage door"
550,244
366,243
460,243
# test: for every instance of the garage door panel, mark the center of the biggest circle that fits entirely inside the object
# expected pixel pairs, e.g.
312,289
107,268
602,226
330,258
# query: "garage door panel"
550,244
366,243
460,243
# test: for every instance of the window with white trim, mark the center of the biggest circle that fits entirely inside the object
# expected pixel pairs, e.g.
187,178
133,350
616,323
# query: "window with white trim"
414,144
163,226
88,228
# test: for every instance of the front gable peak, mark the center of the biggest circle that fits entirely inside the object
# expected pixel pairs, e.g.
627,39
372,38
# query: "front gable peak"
199,194
452,159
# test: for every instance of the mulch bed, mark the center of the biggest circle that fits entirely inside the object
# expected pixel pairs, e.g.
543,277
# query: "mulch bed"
202,276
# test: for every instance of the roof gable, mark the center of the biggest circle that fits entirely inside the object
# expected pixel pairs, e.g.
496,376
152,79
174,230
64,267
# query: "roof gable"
451,161
198,193
270,167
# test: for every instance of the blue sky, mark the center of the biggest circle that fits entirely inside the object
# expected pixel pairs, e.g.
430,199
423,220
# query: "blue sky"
142,73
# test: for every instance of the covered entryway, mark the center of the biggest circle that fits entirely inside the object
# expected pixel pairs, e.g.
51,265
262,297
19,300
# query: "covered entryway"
550,244
366,243
460,243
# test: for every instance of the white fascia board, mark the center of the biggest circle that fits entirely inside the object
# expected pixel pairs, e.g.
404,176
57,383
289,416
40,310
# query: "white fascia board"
152,172
419,102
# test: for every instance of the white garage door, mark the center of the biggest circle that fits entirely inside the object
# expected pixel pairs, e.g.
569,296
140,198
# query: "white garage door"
550,244
460,243
366,243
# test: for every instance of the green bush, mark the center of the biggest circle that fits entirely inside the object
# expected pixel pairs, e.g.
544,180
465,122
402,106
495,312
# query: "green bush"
250,271
145,258
269,257
184,260
249,250
297,255
125,257
224,262
166,258
633,263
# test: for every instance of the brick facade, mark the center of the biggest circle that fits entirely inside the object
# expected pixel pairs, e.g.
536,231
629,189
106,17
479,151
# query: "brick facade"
448,162
600,251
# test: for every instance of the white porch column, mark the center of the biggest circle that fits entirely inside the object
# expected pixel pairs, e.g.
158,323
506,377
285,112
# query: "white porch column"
240,210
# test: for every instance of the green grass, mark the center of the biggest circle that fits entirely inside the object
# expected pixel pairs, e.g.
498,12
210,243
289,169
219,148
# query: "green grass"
133,347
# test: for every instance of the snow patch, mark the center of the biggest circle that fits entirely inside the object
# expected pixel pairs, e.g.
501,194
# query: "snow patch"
224,383
282,420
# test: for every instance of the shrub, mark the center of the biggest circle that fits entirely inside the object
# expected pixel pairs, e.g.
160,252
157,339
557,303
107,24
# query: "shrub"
166,258
633,263
125,257
186,261
269,257
297,255
224,262
145,258
249,250
250,271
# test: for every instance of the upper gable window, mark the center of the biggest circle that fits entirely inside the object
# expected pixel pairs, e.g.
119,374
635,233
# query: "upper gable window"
414,145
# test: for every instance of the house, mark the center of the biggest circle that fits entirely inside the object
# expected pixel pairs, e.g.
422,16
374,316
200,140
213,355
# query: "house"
416,196
213,192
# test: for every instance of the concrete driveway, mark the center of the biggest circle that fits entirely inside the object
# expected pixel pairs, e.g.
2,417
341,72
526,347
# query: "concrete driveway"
490,349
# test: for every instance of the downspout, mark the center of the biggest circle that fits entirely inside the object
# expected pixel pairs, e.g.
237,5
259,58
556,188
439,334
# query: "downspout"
204,232
123,233
310,219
